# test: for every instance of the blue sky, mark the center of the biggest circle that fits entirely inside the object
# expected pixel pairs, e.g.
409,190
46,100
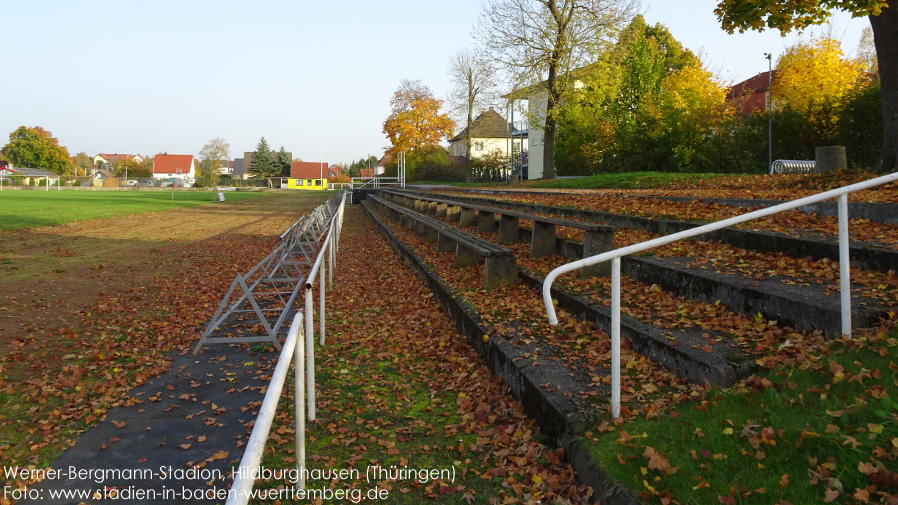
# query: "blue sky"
153,76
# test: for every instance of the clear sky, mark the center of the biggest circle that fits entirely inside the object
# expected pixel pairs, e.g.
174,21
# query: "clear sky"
145,77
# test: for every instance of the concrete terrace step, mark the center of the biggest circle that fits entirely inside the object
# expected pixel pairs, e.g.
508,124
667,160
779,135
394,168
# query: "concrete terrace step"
877,212
563,401
869,258
802,307
682,351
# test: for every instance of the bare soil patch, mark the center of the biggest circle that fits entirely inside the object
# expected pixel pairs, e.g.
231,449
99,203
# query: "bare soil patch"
89,310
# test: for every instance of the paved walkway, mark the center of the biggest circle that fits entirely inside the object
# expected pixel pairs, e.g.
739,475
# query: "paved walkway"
194,414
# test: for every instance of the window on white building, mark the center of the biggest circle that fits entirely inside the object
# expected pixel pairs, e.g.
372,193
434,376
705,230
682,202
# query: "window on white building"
478,146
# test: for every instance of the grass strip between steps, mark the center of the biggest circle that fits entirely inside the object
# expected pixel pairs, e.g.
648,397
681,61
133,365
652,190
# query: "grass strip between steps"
824,432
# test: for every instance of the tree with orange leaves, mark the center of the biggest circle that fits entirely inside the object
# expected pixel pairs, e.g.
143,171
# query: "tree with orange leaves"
415,119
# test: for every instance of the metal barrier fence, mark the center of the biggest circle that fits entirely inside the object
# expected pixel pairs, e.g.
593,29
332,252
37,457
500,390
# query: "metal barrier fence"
376,182
304,383
615,256
266,294
792,166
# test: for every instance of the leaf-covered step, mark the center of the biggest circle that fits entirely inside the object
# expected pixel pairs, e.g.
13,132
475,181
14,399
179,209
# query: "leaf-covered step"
688,352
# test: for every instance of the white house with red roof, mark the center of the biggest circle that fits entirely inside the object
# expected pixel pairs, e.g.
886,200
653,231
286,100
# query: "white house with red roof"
166,166
109,159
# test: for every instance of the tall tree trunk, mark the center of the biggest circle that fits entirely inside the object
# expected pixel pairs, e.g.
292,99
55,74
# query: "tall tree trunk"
885,38
549,130
471,99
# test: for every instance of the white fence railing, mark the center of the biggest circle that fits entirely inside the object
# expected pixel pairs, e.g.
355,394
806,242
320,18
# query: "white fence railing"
303,371
615,256
376,182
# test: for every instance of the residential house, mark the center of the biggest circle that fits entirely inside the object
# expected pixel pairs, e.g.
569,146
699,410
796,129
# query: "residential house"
103,174
309,170
29,175
166,166
489,132
238,171
752,95
334,170
537,102
381,166
227,167
109,159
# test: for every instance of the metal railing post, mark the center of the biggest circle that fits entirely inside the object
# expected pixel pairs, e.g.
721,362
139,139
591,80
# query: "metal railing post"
844,266
615,337
310,353
331,251
299,409
321,299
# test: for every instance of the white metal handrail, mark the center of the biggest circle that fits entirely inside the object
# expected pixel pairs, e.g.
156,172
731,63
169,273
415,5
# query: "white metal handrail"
304,378
616,254
242,486
375,182
325,261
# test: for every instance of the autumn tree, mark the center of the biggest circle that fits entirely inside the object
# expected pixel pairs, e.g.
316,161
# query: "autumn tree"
82,163
786,15
130,168
473,88
262,164
543,41
211,157
647,104
415,119
814,72
37,148
815,79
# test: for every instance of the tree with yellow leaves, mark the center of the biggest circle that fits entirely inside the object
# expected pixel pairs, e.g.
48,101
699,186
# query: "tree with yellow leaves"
687,108
787,15
815,78
814,72
415,119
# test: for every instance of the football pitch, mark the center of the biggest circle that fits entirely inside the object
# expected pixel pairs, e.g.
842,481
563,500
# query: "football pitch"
28,209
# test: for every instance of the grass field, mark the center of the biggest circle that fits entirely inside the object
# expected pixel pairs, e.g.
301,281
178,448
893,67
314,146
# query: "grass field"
29,209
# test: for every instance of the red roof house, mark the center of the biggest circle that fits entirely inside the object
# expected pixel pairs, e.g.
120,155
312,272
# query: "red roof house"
111,159
173,165
751,94
308,170
334,170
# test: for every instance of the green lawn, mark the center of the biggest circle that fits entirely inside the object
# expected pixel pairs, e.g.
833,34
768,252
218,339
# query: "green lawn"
820,432
28,209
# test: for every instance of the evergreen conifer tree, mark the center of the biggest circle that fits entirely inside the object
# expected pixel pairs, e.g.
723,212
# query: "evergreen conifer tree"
283,161
262,164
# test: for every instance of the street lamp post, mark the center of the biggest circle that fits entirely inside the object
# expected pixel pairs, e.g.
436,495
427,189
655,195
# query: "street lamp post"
769,111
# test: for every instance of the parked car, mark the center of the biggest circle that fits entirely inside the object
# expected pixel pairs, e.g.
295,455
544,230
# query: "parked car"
147,183
130,182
